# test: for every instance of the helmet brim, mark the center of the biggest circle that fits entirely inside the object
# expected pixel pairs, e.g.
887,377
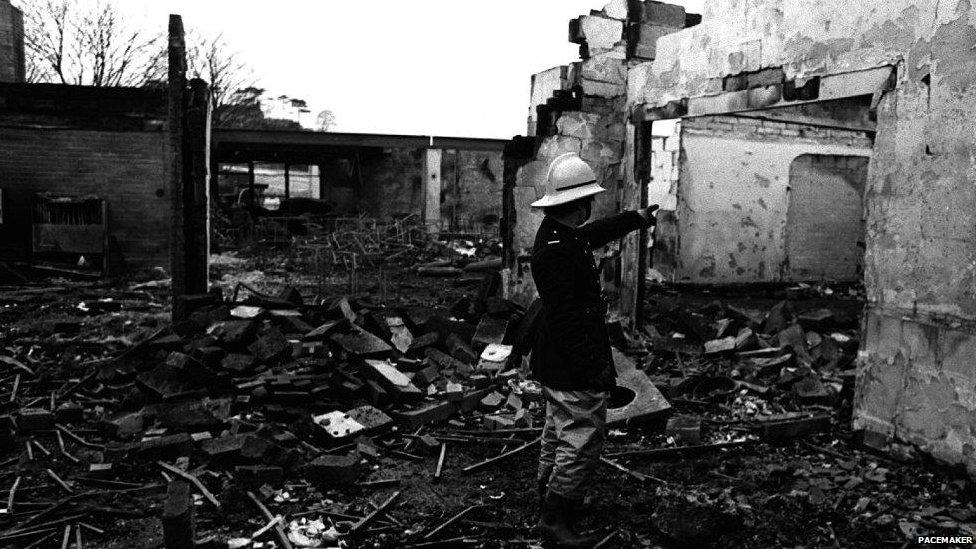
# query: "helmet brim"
567,196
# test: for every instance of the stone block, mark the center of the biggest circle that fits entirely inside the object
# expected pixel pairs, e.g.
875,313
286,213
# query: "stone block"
237,363
599,34
333,470
660,13
490,330
225,447
720,346
616,9
361,343
419,345
400,335
271,348
454,392
427,445
491,402
393,381
374,421
235,333
609,67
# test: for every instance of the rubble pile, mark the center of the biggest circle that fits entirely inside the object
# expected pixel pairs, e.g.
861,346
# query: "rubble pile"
252,404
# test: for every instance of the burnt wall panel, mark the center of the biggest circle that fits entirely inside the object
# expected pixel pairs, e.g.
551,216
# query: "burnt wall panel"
824,220
391,183
472,190
128,169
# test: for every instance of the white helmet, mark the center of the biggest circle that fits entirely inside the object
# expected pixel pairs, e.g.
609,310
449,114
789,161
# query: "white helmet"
569,178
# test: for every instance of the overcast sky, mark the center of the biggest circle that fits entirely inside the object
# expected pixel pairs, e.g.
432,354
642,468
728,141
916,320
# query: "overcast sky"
427,67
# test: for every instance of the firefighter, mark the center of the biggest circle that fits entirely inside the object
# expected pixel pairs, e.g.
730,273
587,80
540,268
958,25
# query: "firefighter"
571,356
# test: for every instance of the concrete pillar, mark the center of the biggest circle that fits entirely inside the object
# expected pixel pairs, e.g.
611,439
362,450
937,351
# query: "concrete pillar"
11,43
432,188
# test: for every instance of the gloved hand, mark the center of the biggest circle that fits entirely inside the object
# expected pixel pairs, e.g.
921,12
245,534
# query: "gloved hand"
648,214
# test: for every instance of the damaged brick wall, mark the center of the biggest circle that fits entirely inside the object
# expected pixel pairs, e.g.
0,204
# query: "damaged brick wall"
915,377
733,197
581,108
79,141
12,65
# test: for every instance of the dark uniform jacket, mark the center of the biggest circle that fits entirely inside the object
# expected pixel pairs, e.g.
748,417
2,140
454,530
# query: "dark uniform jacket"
572,346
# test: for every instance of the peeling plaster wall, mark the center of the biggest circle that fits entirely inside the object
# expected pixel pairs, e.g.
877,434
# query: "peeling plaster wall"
733,195
916,377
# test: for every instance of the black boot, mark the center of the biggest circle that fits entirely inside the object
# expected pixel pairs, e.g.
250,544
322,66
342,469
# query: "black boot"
554,526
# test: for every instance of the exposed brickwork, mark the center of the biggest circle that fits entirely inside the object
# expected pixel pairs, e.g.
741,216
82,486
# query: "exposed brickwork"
742,127
11,43
126,168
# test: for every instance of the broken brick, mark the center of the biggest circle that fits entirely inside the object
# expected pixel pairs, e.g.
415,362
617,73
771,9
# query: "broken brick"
330,470
490,330
271,348
720,346
35,419
420,344
223,447
491,402
374,421
361,343
423,414
394,381
255,476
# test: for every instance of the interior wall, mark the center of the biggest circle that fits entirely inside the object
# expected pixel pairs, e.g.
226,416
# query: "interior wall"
733,195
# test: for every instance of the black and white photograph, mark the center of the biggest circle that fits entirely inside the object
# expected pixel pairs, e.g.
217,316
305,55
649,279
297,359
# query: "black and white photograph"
519,274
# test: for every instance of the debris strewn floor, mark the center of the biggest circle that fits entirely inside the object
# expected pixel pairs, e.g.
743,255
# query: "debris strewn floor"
289,412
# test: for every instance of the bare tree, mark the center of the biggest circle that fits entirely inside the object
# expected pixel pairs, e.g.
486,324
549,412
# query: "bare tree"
213,60
325,121
87,44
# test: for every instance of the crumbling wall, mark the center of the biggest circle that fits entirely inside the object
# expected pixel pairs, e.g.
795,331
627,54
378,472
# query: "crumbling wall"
582,108
12,66
733,195
915,378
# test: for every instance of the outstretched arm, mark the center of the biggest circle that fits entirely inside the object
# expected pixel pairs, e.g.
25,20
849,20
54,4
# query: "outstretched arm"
598,233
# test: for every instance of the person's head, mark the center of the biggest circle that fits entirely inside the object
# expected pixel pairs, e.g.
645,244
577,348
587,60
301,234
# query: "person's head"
573,213
570,187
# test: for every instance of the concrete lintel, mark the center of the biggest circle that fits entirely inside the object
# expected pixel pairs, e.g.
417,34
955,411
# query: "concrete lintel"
830,87
648,113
